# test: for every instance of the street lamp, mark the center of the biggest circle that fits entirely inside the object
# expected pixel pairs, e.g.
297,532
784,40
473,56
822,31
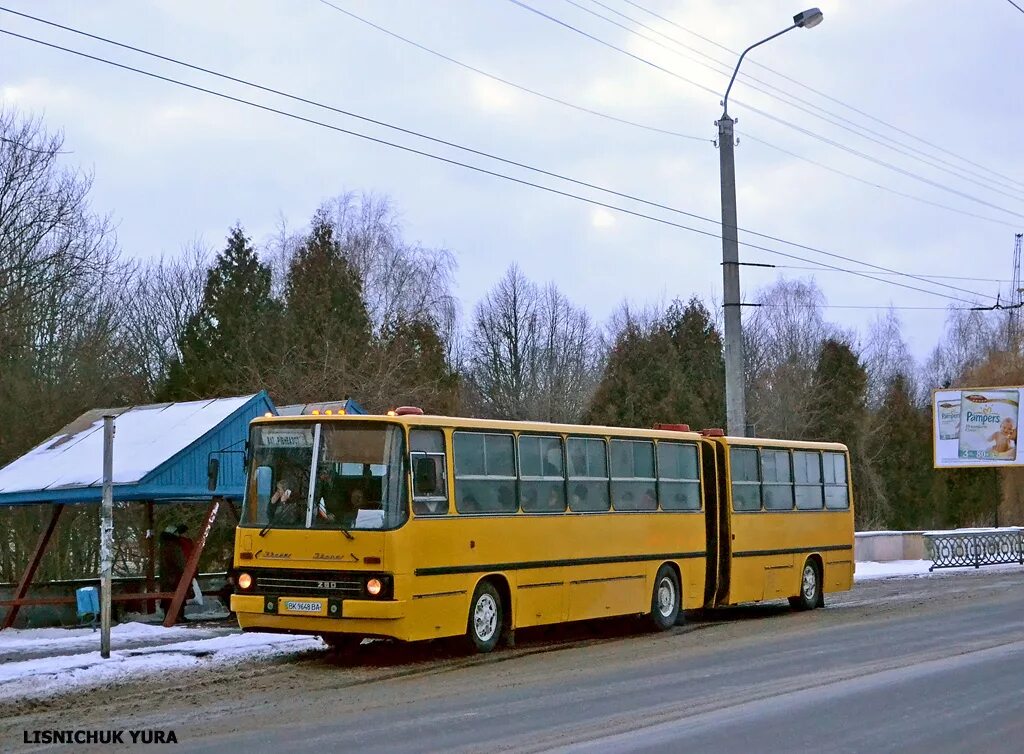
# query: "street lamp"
735,400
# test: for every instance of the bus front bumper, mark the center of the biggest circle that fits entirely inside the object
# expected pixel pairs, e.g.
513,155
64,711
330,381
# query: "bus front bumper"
358,616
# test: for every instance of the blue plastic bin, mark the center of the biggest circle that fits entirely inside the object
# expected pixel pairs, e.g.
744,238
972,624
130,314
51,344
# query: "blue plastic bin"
88,601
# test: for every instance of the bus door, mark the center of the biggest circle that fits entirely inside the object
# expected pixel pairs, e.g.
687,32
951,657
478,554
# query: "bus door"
718,523
712,503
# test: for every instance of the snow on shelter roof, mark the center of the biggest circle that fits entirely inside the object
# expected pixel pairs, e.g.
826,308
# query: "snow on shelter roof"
146,438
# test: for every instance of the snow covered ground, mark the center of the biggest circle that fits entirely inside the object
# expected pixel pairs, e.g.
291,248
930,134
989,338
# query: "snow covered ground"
41,662
61,658
895,569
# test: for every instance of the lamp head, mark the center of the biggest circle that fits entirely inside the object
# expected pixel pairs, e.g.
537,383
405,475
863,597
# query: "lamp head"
808,19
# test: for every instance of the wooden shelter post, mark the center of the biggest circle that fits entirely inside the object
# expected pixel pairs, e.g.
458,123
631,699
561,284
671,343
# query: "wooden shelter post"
192,564
33,564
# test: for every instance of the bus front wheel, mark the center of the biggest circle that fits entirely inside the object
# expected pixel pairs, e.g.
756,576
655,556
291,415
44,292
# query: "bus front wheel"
666,600
485,618
810,587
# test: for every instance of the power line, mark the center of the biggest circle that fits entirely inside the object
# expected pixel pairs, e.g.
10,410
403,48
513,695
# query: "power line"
1015,5
880,186
764,113
867,306
825,95
789,99
645,126
920,275
477,168
512,84
469,150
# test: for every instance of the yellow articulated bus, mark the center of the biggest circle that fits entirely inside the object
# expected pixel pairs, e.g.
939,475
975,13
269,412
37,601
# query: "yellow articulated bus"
415,527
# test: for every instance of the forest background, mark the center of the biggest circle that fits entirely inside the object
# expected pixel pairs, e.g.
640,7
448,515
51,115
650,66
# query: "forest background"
348,307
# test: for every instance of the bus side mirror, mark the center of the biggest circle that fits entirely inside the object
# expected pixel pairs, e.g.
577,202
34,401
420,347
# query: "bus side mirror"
424,475
212,473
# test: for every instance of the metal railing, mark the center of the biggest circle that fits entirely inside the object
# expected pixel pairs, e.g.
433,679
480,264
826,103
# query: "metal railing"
974,547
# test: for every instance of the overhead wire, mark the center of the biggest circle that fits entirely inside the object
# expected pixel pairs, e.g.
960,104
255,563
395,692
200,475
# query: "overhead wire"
506,82
763,113
493,173
921,275
648,127
468,150
789,98
825,95
879,186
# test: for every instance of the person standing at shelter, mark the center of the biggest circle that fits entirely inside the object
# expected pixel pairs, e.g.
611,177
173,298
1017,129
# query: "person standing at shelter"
172,566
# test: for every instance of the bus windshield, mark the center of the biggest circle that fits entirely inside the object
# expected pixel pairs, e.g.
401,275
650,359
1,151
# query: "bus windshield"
331,475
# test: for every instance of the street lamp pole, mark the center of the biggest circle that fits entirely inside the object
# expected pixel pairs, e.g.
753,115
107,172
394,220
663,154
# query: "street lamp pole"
735,398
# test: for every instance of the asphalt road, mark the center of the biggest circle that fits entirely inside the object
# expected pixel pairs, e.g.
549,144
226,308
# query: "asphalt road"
919,665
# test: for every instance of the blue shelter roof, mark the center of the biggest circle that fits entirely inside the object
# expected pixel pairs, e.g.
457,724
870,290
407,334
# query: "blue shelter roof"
161,453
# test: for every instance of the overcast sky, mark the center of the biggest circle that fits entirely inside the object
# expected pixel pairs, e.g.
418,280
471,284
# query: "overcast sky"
172,164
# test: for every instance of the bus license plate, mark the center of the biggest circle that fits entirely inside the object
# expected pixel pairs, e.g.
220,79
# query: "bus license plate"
302,607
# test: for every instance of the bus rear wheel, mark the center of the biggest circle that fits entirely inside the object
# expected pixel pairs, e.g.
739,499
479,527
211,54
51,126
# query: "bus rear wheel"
810,588
485,618
666,599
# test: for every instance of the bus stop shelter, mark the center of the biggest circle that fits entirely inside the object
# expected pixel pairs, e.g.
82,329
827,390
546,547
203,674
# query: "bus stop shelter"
189,452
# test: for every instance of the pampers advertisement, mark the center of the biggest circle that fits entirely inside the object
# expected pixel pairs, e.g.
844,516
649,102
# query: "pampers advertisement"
976,427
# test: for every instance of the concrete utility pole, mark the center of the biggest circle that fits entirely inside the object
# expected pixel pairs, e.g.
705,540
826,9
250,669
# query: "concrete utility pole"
106,534
735,383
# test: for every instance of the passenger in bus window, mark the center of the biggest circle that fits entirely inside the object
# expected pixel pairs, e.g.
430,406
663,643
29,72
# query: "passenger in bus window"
285,508
579,496
530,498
555,502
553,462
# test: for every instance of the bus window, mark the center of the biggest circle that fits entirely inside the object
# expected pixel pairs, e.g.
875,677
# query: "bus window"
776,480
678,477
807,473
429,472
633,482
588,474
837,494
542,478
746,483
485,472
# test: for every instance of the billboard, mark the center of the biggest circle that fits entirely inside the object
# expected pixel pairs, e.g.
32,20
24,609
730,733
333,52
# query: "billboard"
976,427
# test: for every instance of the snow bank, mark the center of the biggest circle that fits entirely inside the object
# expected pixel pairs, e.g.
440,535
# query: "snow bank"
73,671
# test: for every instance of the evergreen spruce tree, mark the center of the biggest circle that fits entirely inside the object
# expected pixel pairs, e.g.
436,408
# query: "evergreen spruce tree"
903,459
328,327
232,334
840,396
672,372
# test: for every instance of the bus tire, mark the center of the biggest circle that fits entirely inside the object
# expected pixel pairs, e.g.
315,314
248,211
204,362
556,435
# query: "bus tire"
810,587
666,599
483,628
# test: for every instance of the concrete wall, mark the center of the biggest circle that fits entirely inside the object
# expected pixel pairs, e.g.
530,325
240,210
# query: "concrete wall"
881,546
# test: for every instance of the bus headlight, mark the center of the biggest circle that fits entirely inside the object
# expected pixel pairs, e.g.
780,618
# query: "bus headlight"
374,587
244,581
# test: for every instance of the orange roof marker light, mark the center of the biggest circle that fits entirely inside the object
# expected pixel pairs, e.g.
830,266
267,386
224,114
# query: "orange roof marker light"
673,427
316,412
713,432
408,411
392,412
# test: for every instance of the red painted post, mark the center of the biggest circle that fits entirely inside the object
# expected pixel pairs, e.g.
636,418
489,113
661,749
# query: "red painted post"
33,564
192,564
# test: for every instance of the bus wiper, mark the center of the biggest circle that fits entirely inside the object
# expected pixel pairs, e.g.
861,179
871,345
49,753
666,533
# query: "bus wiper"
265,529
347,535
